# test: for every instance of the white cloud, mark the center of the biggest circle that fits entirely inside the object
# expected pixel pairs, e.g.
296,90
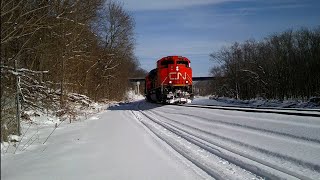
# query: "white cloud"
136,5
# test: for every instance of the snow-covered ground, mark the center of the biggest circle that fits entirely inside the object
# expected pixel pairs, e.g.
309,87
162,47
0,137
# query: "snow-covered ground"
140,140
272,146
104,144
109,145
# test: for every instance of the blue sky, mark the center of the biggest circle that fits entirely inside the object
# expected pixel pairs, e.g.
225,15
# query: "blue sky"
196,28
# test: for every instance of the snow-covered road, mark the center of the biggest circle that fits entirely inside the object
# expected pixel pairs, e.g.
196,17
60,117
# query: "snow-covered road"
149,141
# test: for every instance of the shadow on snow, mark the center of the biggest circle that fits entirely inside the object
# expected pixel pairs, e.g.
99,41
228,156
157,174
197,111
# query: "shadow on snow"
134,106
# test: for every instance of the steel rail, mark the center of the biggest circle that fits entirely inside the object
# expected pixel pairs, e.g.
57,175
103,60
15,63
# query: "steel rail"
286,111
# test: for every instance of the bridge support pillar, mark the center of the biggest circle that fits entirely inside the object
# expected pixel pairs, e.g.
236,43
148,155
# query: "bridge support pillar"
137,87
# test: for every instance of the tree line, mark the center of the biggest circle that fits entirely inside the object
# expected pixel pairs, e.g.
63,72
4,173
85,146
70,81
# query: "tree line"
283,65
52,48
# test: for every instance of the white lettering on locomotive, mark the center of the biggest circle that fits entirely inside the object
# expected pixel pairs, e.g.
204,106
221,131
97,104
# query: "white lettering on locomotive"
177,75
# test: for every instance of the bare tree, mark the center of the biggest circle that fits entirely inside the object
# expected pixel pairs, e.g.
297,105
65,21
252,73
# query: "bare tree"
284,65
62,47
115,27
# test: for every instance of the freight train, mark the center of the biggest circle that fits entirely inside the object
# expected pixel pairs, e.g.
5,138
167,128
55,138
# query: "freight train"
170,82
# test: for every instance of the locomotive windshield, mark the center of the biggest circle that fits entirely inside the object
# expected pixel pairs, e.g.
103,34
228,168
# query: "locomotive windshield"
166,63
186,63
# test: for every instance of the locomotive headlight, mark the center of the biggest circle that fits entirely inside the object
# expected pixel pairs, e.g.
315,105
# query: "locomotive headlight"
177,68
170,82
187,82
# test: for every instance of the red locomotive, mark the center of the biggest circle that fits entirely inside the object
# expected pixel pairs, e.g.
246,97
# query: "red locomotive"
170,82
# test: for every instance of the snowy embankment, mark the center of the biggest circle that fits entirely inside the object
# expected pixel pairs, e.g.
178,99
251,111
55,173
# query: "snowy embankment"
38,126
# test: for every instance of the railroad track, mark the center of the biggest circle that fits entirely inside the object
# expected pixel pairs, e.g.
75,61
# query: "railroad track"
253,161
269,108
287,111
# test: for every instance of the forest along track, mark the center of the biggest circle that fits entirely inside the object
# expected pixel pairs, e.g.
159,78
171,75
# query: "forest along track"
242,156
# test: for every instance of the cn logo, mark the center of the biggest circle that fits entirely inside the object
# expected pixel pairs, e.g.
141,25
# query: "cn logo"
177,75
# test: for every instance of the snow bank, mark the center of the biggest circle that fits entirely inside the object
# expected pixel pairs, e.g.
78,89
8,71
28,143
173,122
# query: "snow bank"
37,126
132,96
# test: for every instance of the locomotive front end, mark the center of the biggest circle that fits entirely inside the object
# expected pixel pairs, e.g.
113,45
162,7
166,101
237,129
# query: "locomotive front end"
176,79
170,82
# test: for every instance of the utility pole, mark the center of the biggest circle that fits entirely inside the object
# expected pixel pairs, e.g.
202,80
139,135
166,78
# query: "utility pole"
18,113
